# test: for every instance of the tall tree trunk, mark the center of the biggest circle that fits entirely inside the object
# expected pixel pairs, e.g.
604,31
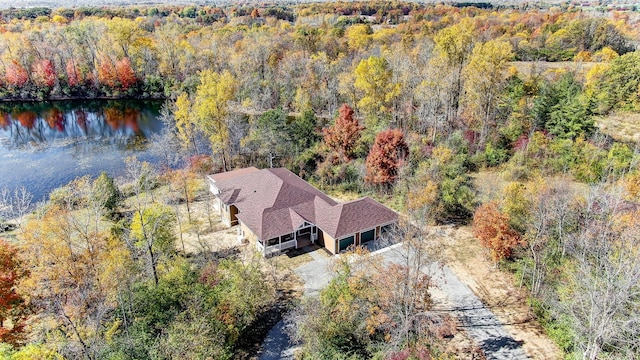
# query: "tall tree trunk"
153,264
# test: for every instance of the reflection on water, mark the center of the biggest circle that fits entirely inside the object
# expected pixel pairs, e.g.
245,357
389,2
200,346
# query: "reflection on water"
45,145
49,124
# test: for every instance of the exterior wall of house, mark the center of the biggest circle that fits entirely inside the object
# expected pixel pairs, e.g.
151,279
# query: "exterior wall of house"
248,234
333,245
324,239
330,243
213,188
224,215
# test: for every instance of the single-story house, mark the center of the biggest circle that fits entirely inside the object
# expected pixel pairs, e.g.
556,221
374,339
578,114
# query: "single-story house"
278,210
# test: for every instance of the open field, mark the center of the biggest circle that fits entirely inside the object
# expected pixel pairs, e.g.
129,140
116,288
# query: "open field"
552,70
621,126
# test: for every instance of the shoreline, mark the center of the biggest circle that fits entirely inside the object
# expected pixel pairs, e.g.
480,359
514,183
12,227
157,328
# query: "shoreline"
79,98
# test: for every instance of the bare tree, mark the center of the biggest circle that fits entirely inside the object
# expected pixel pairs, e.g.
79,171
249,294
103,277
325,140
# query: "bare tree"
166,144
602,297
551,223
415,262
15,205
141,177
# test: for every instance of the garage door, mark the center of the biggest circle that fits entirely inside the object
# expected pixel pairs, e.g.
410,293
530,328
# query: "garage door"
344,243
367,236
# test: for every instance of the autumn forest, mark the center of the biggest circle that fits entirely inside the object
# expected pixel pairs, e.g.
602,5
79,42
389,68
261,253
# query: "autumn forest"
520,124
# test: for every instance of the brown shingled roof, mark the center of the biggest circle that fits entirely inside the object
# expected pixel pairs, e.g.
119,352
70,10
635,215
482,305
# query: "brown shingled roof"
275,202
359,215
232,174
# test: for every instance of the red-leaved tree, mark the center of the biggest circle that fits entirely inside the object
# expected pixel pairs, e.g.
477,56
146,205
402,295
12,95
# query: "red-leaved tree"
342,137
15,74
385,157
12,309
492,228
43,73
201,165
74,75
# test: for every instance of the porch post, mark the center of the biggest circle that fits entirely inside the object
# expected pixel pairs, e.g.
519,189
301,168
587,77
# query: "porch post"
280,243
295,237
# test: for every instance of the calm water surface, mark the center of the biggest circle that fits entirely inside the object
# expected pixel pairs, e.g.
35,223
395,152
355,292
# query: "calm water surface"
45,145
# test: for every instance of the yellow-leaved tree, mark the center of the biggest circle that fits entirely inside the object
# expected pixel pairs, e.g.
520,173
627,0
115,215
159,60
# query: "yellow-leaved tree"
374,78
455,42
359,36
185,125
77,271
152,232
211,109
452,48
484,78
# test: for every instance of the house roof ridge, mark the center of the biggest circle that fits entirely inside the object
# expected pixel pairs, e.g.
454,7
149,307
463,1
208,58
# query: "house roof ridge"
294,214
270,207
358,199
232,174
339,208
275,201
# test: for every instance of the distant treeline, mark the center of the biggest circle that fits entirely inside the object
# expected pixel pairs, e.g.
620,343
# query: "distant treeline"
157,52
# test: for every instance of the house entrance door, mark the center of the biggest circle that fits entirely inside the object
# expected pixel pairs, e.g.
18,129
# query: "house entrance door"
306,236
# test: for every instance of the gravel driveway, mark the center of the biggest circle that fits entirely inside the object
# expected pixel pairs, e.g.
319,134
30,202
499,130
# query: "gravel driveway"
316,276
479,322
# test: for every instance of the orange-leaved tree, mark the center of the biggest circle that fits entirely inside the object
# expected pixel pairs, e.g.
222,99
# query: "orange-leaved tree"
107,74
492,228
125,74
13,312
342,137
385,158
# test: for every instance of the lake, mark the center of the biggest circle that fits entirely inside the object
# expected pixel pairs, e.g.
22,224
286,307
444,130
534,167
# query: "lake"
44,145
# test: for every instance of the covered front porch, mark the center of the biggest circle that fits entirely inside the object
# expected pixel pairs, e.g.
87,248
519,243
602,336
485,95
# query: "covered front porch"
306,235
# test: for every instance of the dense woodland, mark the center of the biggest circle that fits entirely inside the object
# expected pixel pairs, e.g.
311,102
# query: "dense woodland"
403,102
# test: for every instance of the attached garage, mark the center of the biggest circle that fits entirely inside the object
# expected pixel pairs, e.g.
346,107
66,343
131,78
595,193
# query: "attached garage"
367,236
345,242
